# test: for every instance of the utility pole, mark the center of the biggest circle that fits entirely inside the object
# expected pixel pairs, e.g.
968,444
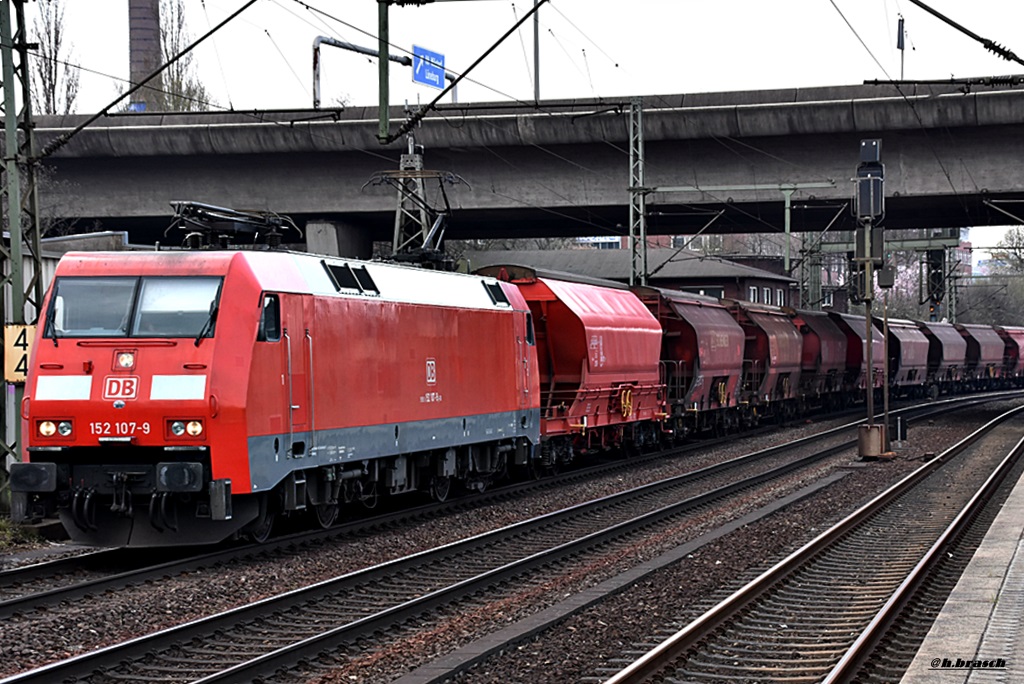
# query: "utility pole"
536,51
787,190
869,208
637,195
384,95
20,256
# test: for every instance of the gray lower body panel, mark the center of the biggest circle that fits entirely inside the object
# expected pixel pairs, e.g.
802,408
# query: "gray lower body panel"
273,457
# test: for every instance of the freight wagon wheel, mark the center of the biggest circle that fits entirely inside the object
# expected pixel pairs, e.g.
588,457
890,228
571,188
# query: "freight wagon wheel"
259,529
326,514
535,469
440,488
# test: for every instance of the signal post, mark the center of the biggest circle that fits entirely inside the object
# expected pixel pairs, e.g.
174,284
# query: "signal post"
869,207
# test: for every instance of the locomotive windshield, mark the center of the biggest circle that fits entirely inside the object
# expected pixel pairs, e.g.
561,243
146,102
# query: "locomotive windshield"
133,307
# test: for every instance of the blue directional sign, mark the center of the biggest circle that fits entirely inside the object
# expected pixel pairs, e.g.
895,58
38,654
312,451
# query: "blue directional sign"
427,67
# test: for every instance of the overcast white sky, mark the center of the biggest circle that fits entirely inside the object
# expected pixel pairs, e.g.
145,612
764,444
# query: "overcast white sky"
589,48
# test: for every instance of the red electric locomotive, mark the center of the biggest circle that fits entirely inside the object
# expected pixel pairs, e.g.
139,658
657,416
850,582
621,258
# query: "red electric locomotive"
186,397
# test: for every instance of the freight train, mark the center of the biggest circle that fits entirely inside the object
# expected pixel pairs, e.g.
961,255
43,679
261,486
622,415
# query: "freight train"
188,397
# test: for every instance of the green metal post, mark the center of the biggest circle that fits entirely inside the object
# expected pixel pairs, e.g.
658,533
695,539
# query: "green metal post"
13,176
13,189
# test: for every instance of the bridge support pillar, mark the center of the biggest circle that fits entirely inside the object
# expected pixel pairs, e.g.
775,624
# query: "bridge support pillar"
336,238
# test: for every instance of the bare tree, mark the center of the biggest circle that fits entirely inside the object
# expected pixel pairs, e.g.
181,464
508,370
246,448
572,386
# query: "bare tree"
458,248
54,84
184,92
1008,256
998,297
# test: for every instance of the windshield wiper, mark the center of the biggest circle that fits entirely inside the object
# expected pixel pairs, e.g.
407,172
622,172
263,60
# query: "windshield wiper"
51,314
210,320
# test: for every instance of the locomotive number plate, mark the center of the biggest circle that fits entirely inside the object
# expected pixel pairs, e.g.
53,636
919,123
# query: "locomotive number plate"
120,428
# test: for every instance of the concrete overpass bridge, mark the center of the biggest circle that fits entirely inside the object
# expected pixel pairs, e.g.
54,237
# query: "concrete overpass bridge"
561,168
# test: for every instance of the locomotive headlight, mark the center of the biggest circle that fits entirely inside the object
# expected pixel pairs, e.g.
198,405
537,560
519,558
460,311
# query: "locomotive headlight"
177,428
194,428
126,360
64,428
47,428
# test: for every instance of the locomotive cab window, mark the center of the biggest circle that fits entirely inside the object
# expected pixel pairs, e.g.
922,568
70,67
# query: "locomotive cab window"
530,338
164,306
270,319
90,307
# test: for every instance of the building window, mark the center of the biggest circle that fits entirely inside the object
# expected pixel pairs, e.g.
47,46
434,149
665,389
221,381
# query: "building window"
780,297
752,294
826,299
767,291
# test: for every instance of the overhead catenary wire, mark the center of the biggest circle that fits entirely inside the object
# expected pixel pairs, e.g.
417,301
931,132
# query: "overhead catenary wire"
534,106
522,44
418,116
398,48
302,84
724,141
568,56
990,45
728,142
62,140
220,63
292,124
217,108
910,103
582,33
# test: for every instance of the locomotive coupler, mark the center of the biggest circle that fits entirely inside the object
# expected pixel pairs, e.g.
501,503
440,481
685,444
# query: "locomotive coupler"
122,502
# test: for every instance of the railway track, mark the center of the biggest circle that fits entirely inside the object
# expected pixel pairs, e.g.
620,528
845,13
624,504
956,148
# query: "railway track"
32,587
818,614
277,632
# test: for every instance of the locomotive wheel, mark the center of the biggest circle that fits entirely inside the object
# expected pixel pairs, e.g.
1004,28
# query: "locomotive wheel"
440,488
326,514
259,529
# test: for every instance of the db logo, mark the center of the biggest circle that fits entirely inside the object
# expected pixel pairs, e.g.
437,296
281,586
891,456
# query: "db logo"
431,372
120,387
